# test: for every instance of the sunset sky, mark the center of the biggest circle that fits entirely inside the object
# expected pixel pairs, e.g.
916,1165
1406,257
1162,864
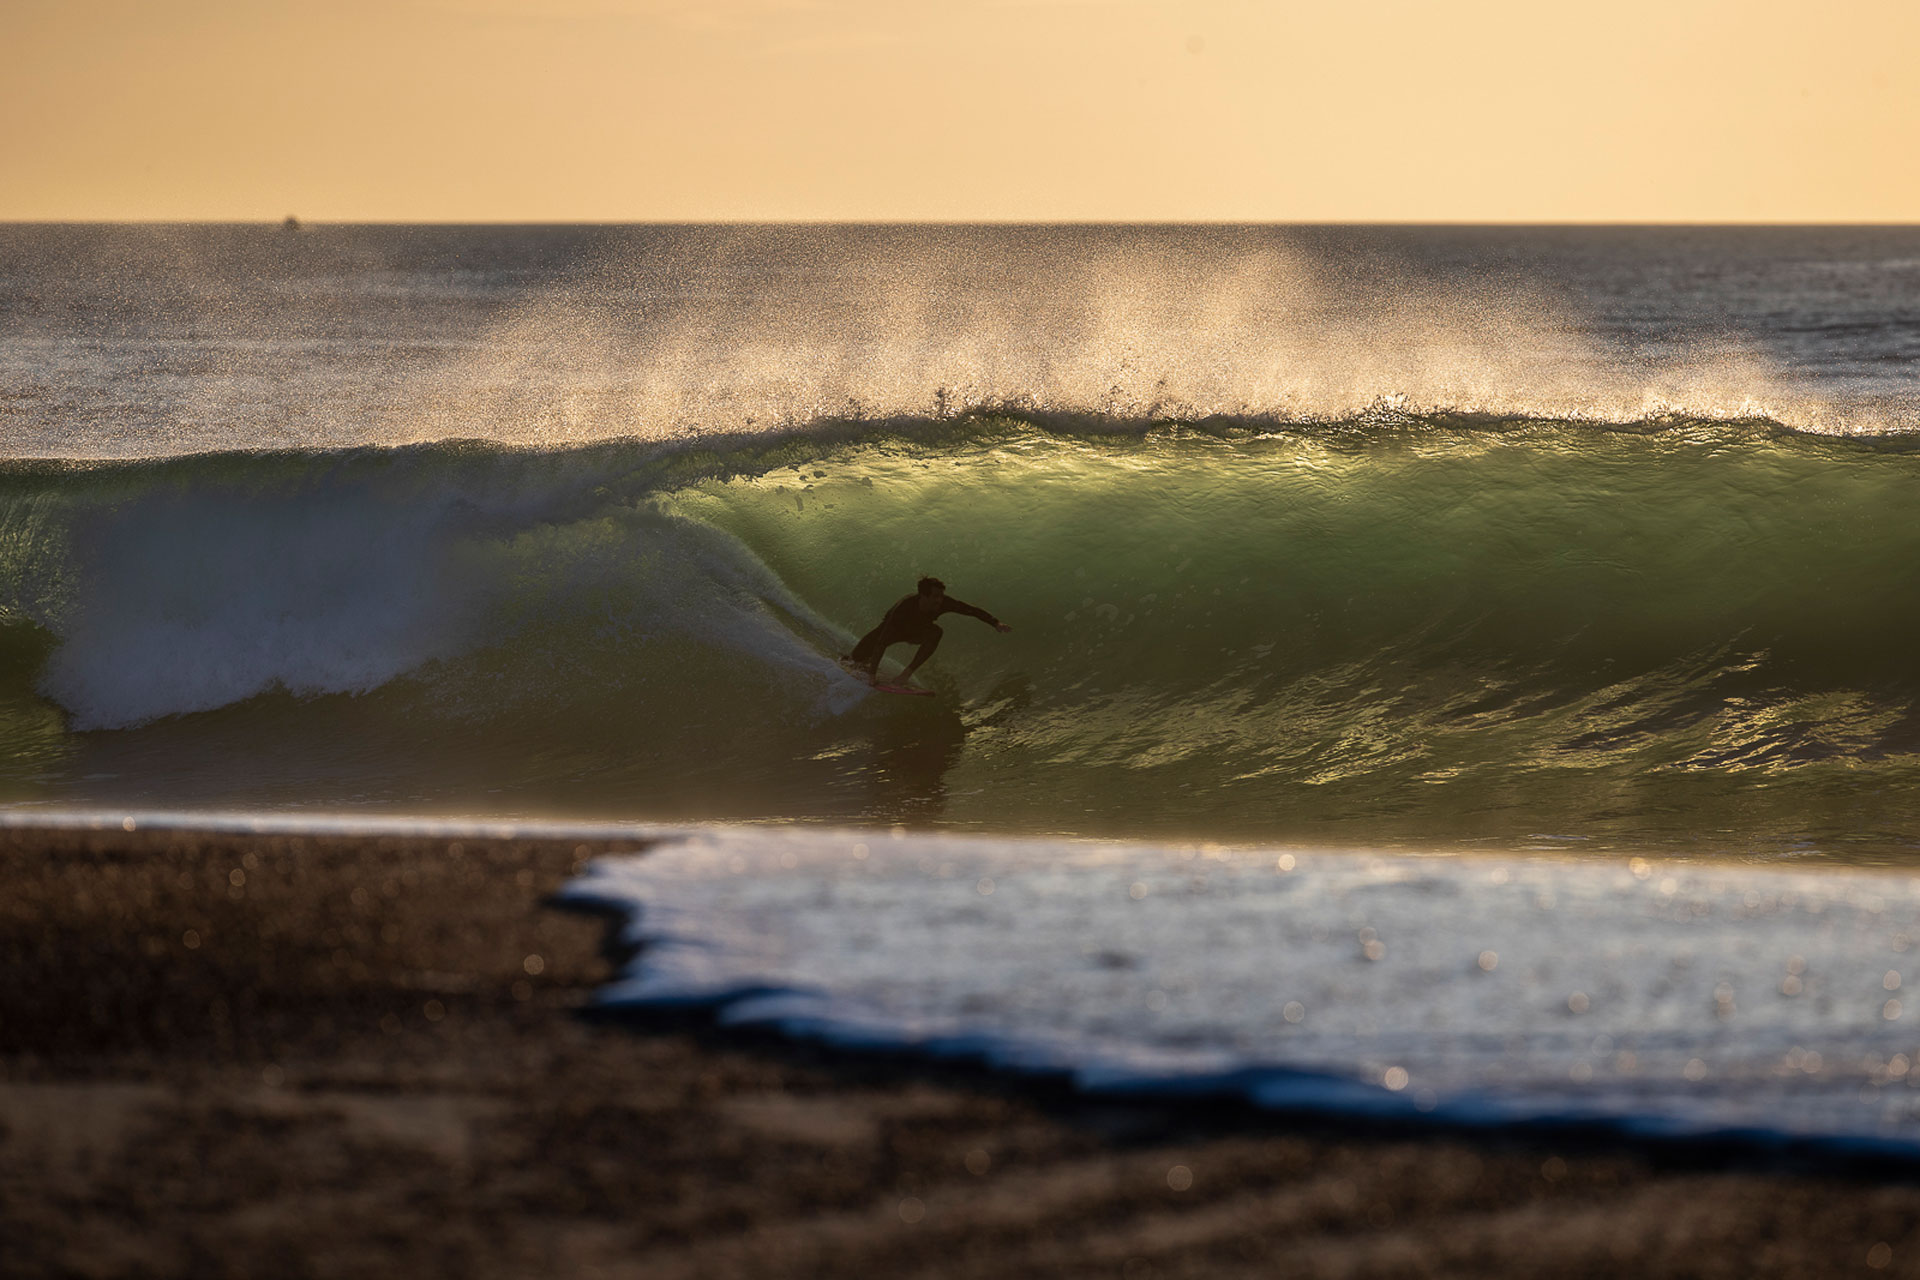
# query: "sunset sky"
1244,110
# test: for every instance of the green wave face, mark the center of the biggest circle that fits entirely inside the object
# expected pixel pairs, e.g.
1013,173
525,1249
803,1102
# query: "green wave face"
1431,634
1411,633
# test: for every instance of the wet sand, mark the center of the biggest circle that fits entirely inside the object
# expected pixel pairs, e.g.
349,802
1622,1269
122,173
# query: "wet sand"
277,1056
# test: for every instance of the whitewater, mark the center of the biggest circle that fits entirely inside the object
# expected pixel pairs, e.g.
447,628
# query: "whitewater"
1577,550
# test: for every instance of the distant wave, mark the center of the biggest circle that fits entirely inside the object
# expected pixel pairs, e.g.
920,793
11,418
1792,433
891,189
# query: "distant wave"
1243,621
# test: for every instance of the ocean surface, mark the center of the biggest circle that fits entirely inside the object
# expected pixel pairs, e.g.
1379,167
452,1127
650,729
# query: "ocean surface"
1576,549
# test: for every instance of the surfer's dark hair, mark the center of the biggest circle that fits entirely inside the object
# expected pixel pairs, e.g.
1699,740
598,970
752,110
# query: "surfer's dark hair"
928,585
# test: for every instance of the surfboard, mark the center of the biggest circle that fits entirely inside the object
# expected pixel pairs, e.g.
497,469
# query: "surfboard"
860,673
907,689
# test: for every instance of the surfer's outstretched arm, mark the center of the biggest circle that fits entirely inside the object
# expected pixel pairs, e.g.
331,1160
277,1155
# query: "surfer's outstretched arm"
974,611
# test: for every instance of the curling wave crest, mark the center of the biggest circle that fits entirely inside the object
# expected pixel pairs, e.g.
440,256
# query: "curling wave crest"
1244,627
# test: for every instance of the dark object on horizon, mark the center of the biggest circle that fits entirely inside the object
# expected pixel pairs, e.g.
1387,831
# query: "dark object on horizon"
291,224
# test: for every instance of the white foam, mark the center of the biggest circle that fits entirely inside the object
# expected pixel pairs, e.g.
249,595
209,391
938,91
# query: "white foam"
1681,999
335,578
184,605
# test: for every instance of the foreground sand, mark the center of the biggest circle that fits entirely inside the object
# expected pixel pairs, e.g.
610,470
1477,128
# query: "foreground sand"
282,1057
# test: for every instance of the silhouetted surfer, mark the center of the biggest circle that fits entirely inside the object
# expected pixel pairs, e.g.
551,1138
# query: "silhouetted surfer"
911,622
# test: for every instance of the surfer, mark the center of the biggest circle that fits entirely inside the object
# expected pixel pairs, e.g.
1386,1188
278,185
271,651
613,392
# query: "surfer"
911,622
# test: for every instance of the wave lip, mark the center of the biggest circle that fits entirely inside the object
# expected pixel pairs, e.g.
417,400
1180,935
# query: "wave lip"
1750,1007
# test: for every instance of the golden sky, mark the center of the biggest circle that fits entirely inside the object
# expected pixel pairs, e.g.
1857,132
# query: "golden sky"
1254,110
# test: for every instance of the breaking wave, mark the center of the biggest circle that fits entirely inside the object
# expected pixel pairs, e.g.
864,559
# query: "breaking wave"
1367,629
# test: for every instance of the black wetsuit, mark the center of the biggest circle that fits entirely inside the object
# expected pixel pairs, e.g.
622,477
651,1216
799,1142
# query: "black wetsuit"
907,623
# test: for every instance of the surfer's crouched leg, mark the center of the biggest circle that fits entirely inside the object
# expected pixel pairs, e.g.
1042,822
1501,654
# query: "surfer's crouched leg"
868,652
927,646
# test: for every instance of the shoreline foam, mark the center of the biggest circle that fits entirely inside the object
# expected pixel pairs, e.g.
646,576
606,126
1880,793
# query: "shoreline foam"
1734,1005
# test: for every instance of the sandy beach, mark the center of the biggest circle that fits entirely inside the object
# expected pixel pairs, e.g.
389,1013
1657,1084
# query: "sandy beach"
334,1056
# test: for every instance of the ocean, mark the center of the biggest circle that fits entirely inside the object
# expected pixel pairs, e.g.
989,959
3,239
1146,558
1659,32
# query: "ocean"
1409,557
